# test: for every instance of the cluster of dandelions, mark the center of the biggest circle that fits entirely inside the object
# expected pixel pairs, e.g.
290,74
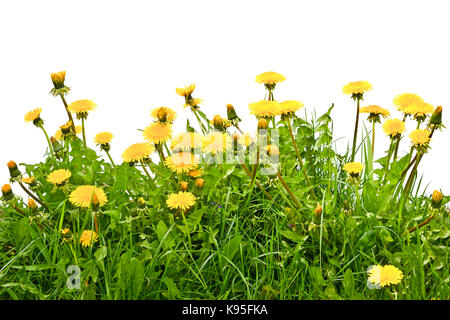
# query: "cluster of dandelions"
179,152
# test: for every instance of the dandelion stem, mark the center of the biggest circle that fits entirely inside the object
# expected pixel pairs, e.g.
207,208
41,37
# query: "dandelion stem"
373,137
356,130
33,196
388,160
147,173
49,143
300,158
84,133
68,113
110,159
421,224
396,149
293,197
247,171
199,121
255,167
188,232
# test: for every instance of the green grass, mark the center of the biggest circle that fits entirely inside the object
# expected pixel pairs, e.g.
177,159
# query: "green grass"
238,244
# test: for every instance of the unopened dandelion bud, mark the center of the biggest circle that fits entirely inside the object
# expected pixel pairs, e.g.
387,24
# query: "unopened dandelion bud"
66,128
263,124
318,210
58,79
55,144
141,203
217,122
183,185
66,234
162,114
32,205
199,182
436,199
7,193
13,170
436,117
231,114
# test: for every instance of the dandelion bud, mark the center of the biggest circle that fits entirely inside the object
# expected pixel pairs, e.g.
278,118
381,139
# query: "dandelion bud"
66,128
436,117
7,193
263,124
183,185
199,182
272,150
231,114
66,234
218,122
13,170
162,114
318,210
58,79
55,144
32,205
30,181
141,203
95,202
436,199
346,205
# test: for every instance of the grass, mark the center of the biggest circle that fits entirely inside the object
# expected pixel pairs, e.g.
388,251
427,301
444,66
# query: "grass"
235,242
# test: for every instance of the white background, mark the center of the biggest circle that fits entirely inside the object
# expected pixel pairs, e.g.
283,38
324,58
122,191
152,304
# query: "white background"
129,56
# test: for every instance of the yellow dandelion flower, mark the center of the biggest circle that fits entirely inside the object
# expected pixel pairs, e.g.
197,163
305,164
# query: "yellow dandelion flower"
357,87
65,231
186,91
137,152
59,177
186,141
59,134
195,173
181,162
385,275
29,180
289,106
420,137
418,109
182,200
83,196
353,168
216,142
103,137
394,127
82,107
32,204
376,110
264,108
405,99
164,114
33,115
272,150
270,77
194,102
88,238
157,132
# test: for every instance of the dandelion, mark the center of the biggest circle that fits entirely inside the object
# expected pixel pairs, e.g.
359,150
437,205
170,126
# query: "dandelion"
157,133
141,203
7,193
219,123
59,88
394,127
137,152
14,171
418,110
436,199
270,80
31,181
83,196
195,173
182,200
356,89
375,112
82,107
199,183
88,238
184,185
59,177
385,275
402,101
232,116
181,162
35,117
288,108
103,138
164,115
353,168
186,91
420,137
32,206
193,103
264,109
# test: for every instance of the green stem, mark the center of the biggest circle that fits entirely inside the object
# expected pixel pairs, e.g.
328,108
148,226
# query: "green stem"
300,158
68,113
49,143
147,174
255,167
188,232
373,138
84,134
110,159
356,130
388,160
293,197
199,121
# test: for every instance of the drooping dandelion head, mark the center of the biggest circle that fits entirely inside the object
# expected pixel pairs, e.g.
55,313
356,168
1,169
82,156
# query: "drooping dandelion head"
182,200
35,117
164,115
186,91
